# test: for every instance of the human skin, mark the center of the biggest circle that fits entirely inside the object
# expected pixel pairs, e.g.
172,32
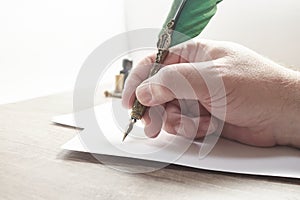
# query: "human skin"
262,98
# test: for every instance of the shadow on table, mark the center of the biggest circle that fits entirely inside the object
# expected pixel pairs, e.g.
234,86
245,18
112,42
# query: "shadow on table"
125,164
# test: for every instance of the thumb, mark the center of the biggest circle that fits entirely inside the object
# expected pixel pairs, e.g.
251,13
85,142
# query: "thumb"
151,93
177,81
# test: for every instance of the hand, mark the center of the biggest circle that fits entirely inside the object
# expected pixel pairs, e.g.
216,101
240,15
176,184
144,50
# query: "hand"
262,98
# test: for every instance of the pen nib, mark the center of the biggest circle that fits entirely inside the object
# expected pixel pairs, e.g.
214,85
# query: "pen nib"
130,126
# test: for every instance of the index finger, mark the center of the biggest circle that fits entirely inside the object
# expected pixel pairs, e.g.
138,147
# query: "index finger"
141,73
135,78
186,52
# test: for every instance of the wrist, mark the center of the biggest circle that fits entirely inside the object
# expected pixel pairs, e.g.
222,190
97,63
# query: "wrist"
288,132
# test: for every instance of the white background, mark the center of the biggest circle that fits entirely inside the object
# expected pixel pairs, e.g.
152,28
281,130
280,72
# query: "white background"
43,43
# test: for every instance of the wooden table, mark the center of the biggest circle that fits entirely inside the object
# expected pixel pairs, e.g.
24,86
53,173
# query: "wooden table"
32,166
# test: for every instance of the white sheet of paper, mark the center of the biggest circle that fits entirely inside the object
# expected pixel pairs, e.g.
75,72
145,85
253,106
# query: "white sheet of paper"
226,156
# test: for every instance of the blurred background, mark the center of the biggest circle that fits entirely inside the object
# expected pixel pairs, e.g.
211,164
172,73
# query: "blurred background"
43,43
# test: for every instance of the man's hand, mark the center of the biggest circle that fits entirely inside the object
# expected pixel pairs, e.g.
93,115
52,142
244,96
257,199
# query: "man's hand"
262,98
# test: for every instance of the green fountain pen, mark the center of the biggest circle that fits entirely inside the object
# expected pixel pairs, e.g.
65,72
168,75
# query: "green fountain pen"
163,45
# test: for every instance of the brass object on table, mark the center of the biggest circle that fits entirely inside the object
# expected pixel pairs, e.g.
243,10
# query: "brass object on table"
120,80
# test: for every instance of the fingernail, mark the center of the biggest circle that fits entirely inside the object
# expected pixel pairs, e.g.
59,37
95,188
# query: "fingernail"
143,94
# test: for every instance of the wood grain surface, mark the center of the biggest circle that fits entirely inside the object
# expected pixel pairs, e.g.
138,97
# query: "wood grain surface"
32,166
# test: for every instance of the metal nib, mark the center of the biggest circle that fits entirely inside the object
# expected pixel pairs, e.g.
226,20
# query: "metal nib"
130,126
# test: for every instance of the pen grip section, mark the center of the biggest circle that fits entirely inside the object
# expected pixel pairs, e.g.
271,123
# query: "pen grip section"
138,109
